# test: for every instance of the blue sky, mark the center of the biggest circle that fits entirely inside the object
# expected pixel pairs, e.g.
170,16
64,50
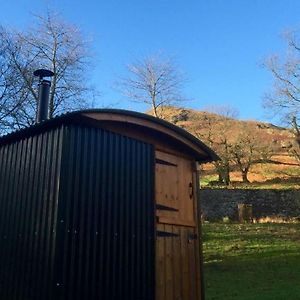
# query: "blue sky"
219,45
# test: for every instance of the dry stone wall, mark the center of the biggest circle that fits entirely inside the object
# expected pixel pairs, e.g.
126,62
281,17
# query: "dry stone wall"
217,203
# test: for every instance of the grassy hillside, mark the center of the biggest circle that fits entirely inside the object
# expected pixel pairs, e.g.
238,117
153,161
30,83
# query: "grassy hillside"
282,170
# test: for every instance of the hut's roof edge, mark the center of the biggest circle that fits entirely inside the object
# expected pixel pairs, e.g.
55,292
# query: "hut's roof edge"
78,115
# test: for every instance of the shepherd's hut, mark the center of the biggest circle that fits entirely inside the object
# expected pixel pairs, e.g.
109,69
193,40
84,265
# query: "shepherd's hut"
100,204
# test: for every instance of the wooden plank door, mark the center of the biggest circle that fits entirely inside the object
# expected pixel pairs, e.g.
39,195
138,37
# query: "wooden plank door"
177,250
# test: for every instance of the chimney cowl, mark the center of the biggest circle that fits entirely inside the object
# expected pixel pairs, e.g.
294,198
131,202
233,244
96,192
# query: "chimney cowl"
44,91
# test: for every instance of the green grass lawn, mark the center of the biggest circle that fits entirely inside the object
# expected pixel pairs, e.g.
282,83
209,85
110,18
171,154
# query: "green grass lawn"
251,261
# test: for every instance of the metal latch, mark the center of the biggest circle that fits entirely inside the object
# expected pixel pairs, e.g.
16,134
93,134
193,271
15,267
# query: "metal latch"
166,234
164,207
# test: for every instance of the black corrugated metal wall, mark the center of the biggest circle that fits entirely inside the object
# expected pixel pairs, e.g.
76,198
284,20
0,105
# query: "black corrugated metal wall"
104,230
29,177
106,214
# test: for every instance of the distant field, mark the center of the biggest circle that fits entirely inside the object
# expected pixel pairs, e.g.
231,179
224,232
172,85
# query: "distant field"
254,261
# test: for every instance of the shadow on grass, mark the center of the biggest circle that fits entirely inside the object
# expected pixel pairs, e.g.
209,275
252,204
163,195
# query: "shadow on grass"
253,278
255,261
280,180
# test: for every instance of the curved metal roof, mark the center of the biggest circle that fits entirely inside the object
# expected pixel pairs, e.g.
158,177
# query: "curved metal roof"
119,115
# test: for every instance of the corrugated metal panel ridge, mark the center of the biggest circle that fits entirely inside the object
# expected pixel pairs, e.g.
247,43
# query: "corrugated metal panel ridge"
29,178
105,238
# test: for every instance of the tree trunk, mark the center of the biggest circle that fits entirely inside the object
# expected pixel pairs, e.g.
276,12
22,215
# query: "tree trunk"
226,177
155,111
296,130
220,177
245,175
224,174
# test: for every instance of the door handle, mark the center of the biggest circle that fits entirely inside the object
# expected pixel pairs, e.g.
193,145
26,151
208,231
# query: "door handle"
192,237
191,190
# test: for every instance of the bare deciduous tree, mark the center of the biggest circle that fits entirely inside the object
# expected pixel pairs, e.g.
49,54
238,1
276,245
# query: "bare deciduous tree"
238,145
248,148
51,44
8,101
284,98
155,81
216,132
295,149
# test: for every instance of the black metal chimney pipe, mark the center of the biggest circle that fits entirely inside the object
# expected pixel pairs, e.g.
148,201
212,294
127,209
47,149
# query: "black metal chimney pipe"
44,91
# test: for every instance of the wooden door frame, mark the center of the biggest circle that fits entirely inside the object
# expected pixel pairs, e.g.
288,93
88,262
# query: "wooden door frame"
197,197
